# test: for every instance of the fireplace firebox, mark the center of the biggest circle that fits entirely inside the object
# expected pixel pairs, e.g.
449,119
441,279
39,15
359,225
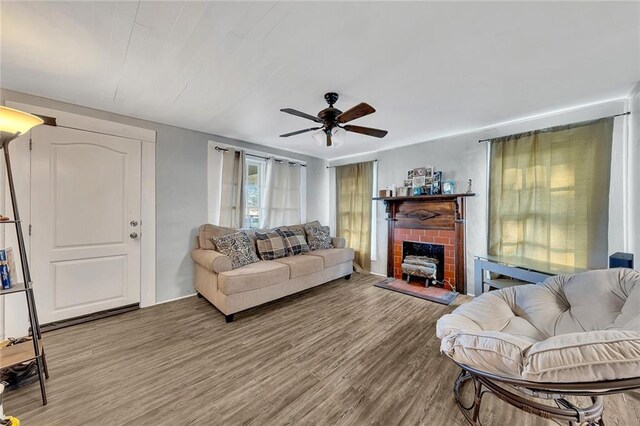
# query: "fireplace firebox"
426,254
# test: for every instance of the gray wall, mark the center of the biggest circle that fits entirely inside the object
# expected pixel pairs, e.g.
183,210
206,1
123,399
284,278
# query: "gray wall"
461,157
181,189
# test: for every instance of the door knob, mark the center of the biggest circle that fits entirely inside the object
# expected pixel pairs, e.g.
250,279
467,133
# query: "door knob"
133,235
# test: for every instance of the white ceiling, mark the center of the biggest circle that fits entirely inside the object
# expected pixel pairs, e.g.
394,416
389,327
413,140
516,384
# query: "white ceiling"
227,68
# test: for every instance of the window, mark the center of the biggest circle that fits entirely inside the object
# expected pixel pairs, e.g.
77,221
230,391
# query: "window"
549,194
254,176
354,186
249,190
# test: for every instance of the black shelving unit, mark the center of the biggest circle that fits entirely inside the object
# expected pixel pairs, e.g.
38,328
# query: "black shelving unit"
32,350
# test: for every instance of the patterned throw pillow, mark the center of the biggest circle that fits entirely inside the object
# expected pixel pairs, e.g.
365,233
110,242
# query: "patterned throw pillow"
238,247
319,237
295,242
270,245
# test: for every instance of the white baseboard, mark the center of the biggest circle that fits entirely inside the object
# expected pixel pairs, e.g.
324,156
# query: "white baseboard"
171,300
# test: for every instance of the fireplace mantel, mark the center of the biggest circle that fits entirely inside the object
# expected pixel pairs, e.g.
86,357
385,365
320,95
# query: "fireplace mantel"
438,219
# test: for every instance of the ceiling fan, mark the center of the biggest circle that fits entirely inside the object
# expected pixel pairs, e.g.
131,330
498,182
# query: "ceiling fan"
333,119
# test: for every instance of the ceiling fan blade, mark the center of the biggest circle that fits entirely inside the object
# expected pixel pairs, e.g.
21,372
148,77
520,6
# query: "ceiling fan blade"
376,133
301,114
297,132
357,111
329,140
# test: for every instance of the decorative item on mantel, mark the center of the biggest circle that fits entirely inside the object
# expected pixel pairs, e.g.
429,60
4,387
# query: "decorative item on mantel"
436,187
402,191
426,181
448,187
423,181
383,193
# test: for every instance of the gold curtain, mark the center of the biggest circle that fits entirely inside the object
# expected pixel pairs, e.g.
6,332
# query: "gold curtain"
354,188
549,194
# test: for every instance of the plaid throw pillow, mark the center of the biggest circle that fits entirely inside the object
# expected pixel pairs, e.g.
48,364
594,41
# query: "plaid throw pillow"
238,247
295,242
319,237
270,245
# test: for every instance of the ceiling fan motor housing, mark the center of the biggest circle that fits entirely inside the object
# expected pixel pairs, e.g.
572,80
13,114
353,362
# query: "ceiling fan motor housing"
329,116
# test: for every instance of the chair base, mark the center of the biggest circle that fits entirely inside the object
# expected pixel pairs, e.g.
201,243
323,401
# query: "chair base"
517,396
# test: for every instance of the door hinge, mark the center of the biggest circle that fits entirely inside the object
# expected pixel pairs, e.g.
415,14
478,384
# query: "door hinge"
29,229
30,144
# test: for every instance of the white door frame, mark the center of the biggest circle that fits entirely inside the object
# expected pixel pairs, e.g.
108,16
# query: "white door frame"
148,194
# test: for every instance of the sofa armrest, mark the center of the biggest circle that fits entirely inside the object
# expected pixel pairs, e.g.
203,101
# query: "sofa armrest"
211,260
338,242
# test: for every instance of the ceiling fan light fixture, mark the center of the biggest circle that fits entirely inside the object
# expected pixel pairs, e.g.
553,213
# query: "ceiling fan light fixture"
338,135
320,136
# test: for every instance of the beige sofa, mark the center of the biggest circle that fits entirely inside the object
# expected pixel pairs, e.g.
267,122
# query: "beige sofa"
234,290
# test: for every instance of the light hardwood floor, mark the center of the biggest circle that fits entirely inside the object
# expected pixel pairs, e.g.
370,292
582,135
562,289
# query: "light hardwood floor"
342,353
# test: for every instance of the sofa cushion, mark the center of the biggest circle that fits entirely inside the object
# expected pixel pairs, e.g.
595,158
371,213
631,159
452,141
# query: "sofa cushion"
333,256
318,237
253,276
238,247
209,231
299,266
294,241
584,357
270,245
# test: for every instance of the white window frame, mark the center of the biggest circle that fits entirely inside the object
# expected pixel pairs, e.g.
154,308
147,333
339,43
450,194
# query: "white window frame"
262,171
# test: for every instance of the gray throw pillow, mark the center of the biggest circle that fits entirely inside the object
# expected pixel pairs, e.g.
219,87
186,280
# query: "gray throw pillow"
318,237
238,247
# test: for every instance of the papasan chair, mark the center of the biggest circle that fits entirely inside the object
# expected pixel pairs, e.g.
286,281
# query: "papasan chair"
571,335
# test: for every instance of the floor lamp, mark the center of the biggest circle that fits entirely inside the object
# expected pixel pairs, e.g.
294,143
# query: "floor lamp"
14,123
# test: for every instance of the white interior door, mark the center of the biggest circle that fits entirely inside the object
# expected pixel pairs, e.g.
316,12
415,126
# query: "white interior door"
85,204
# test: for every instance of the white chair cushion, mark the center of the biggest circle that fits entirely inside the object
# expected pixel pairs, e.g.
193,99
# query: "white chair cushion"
570,328
591,356
498,353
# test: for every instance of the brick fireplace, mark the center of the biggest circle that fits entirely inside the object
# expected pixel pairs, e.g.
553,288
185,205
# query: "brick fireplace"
432,219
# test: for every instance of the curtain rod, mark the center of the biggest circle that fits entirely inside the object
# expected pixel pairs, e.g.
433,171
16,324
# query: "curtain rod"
277,160
331,167
615,115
